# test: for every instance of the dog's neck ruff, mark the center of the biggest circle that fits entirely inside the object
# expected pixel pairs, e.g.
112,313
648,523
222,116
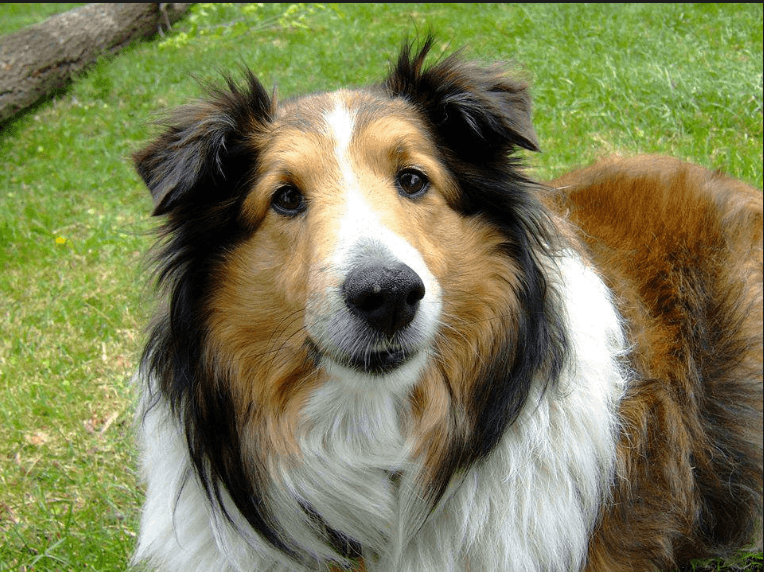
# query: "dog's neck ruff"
530,505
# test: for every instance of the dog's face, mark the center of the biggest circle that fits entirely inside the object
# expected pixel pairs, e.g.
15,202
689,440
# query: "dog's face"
345,248
343,264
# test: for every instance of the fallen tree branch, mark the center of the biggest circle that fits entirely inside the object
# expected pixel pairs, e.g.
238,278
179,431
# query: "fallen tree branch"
42,58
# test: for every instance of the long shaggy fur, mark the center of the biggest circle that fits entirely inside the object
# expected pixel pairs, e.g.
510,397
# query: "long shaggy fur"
384,348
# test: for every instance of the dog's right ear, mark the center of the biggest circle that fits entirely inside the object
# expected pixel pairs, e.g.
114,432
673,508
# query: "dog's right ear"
203,156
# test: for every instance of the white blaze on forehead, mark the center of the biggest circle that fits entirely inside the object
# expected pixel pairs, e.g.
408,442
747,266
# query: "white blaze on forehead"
358,218
360,230
341,123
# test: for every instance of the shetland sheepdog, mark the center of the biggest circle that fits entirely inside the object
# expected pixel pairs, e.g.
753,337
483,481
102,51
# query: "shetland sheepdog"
383,347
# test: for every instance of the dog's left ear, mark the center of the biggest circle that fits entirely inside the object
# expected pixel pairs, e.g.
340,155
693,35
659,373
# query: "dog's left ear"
478,111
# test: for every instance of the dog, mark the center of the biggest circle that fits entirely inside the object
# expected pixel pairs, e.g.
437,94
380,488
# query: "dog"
383,347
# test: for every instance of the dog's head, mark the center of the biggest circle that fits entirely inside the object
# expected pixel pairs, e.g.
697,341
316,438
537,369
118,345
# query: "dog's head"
360,265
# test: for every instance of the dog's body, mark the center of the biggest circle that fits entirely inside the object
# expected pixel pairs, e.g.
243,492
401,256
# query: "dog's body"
385,348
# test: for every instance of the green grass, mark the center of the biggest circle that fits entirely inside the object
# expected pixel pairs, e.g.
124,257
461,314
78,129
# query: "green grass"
684,80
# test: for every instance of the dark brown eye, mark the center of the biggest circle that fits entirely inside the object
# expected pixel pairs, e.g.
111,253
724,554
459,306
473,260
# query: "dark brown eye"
412,183
288,201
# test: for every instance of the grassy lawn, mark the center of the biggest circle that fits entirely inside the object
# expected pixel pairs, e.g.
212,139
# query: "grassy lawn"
684,80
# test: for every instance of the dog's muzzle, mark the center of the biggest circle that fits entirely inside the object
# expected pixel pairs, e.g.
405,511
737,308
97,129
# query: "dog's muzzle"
385,297
375,321
382,300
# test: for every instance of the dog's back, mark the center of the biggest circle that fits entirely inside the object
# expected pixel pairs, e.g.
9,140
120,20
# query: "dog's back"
682,249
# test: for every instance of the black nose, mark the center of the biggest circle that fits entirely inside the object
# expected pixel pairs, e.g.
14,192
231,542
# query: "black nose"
385,296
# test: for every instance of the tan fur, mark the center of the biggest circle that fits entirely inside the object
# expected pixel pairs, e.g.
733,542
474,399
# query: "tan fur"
478,289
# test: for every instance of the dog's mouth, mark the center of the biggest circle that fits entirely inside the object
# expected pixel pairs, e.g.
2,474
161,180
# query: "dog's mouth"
369,361
379,362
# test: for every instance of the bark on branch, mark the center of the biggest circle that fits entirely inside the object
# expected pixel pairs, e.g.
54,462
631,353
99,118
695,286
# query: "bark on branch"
39,59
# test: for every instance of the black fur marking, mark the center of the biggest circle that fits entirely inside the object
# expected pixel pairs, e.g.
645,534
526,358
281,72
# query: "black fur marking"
342,544
202,158
478,110
198,172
